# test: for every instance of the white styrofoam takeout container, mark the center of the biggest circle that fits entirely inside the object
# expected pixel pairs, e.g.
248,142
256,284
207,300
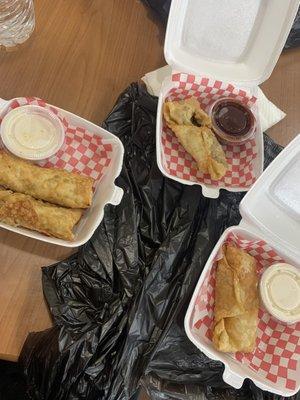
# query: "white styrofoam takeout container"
270,212
106,192
233,41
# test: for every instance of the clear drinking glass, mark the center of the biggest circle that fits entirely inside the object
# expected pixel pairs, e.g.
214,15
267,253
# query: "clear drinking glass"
17,22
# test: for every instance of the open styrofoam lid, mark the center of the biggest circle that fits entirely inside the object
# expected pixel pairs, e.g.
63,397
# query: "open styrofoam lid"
230,40
272,205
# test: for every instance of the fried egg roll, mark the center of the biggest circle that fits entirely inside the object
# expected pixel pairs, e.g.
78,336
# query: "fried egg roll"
202,145
186,112
50,184
192,126
19,209
236,301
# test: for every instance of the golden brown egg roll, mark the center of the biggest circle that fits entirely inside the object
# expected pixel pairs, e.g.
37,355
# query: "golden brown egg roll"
186,112
192,126
202,145
50,184
236,301
19,209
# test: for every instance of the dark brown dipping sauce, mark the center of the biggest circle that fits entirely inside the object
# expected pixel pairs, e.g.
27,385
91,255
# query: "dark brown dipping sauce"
233,118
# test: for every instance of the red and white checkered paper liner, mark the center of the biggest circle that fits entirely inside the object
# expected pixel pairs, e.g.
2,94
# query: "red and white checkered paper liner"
277,349
82,151
178,163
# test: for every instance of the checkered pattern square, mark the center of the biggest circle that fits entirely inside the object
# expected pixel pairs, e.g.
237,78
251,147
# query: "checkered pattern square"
178,163
277,354
82,151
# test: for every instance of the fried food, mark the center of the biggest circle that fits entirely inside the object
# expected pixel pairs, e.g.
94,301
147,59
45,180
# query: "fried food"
18,209
186,112
192,127
236,302
202,145
50,184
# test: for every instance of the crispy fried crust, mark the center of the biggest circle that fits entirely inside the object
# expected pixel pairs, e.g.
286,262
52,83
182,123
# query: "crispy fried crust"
236,302
18,209
192,126
186,112
50,184
202,145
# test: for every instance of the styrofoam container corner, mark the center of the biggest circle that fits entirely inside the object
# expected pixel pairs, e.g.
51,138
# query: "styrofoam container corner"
207,190
106,191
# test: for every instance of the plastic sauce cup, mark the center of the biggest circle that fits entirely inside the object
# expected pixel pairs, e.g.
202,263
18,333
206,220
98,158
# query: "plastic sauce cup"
280,292
32,132
232,121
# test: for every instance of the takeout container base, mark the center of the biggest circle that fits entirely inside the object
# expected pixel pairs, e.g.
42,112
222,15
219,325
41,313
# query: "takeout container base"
89,150
269,231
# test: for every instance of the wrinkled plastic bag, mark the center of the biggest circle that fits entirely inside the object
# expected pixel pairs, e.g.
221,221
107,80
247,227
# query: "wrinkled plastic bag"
161,10
293,39
118,304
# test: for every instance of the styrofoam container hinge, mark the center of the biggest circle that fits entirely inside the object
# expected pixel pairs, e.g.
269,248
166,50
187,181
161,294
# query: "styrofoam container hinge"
232,379
117,196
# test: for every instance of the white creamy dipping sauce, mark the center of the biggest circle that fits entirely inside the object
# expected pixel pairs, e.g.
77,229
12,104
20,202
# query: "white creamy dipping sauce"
32,132
280,292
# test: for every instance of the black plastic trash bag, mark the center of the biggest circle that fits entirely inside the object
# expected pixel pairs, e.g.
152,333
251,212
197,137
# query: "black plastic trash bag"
119,303
293,39
161,10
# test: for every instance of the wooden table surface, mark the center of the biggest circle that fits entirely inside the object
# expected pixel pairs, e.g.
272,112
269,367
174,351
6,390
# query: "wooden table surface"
82,55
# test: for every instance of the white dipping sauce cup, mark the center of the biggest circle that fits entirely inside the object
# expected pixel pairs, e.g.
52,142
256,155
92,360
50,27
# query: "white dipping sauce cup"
32,132
280,292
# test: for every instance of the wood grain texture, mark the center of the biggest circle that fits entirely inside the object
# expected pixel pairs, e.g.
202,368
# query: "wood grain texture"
82,54
22,307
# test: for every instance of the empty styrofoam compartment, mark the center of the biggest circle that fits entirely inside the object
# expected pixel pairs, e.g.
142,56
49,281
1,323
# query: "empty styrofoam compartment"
231,40
245,160
105,168
270,233
274,365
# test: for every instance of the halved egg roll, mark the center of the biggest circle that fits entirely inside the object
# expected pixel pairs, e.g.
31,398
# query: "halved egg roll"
192,126
19,209
236,301
202,145
186,112
50,184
